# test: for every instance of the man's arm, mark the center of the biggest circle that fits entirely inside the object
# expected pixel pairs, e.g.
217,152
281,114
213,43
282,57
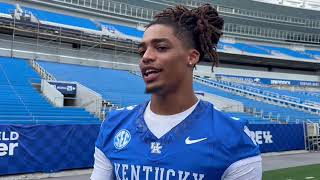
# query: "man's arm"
102,168
245,169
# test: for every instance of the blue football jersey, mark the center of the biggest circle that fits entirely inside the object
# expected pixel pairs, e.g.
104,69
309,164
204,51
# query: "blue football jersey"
202,146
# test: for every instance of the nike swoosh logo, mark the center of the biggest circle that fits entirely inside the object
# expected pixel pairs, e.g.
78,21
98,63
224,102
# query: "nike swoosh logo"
188,141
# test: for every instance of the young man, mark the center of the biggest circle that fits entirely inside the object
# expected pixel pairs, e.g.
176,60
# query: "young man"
175,135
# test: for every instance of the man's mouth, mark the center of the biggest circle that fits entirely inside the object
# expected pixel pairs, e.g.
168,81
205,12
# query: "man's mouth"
150,74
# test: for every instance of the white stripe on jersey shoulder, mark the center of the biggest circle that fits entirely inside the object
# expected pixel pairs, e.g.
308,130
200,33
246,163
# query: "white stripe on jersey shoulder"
250,162
235,118
216,108
129,108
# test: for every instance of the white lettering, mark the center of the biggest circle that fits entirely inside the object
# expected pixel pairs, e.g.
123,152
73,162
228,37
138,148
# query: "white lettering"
147,169
134,172
116,169
157,172
124,173
186,174
4,138
170,171
12,146
14,136
259,137
3,149
280,82
195,176
267,137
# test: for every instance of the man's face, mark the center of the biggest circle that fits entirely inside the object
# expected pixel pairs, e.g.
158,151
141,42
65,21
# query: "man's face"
164,60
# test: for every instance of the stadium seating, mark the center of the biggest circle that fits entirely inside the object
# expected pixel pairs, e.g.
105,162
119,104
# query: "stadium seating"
20,103
61,19
77,23
120,87
279,93
268,111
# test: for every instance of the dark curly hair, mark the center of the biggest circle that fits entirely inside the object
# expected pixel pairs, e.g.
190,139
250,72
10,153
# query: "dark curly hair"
200,28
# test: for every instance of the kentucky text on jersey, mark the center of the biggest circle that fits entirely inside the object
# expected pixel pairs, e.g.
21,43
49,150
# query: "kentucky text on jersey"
202,146
152,173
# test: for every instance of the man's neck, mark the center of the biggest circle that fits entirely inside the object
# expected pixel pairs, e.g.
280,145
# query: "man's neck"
173,103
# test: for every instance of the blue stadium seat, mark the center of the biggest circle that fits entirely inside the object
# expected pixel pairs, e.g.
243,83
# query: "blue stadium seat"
120,87
285,114
20,103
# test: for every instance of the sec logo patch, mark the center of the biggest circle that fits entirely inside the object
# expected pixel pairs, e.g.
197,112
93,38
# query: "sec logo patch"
122,139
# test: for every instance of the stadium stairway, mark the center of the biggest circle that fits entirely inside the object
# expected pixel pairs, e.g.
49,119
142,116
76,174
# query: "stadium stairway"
122,88
20,103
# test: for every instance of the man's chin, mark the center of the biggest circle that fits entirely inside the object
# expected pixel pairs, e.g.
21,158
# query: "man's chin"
152,89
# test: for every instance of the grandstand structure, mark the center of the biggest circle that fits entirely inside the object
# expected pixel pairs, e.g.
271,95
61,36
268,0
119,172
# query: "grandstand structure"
269,66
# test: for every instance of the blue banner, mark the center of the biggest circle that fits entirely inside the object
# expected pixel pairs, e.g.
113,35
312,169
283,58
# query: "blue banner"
270,81
278,137
46,148
65,88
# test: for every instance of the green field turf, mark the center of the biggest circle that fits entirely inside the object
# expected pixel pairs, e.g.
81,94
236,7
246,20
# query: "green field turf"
297,173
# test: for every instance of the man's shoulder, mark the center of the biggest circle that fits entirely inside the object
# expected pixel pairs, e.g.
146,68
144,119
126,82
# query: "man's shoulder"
115,121
118,115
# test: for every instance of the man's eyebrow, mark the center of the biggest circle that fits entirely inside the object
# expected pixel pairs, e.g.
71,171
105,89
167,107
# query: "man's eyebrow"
154,41
141,45
159,40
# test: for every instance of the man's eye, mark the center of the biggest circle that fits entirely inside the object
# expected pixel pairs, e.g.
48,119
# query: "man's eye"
141,53
162,48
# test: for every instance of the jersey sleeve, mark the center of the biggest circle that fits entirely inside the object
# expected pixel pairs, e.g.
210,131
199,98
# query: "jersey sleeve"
102,168
234,140
244,169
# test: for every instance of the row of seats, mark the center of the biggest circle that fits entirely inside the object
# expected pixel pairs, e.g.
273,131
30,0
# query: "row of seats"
127,32
297,97
21,103
267,110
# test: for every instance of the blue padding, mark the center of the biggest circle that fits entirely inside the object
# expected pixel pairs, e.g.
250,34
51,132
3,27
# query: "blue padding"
313,52
287,51
63,19
48,148
278,137
125,29
6,8
251,48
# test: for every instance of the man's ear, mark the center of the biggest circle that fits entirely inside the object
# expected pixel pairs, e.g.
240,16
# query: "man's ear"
194,57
